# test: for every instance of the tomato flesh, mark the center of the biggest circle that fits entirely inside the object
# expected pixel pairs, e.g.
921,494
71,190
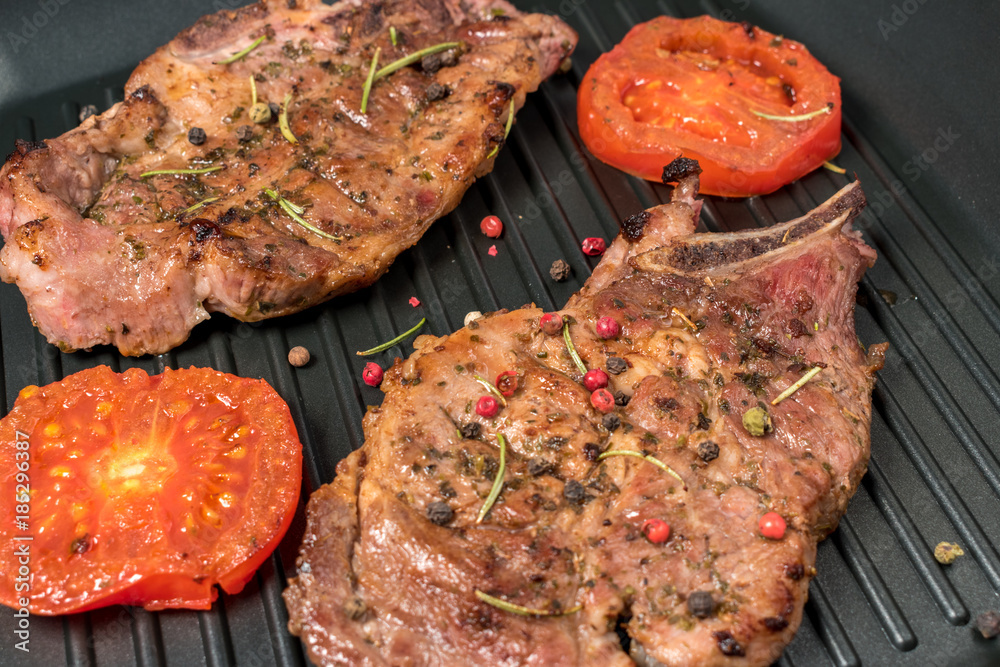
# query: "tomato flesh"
145,490
691,87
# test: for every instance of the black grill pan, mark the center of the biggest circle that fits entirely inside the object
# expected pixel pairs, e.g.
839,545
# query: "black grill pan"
920,132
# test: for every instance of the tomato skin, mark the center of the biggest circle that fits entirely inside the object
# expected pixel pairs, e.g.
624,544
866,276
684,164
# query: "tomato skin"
148,490
702,107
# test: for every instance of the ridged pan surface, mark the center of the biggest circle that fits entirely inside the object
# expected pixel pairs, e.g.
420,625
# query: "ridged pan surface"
920,133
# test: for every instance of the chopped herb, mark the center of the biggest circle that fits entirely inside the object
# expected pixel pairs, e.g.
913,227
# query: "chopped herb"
387,345
794,119
283,121
491,388
510,122
497,481
240,54
157,172
834,168
639,455
798,385
572,350
414,57
295,211
195,207
522,611
392,36
369,81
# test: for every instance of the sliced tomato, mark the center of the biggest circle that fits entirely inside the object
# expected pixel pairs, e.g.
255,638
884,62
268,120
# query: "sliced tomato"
131,489
697,88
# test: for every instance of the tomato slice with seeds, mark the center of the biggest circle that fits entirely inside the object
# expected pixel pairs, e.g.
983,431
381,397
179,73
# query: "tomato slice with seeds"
696,87
143,490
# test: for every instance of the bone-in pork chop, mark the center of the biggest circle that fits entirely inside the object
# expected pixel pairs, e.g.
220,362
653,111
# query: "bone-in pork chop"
280,205
395,568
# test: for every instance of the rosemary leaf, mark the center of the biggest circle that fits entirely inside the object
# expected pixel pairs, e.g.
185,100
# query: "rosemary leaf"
497,482
414,57
157,172
387,345
794,119
283,120
810,374
195,207
834,168
369,81
239,54
492,389
645,457
687,320
510,122
522,611
295,211
572,350
253,91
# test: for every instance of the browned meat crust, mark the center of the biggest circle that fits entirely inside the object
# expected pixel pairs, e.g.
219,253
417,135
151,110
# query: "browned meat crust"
105,256
393,555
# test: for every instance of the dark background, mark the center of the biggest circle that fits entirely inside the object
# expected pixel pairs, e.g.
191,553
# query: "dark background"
921,116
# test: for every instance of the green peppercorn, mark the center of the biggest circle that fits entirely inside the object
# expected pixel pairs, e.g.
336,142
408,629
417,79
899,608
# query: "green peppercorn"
260,113
757,422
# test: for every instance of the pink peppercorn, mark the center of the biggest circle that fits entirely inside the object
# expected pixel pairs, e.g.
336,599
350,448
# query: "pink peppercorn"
595,379
491,226
594,246
772,526
608,327
602,400
551,323
656,531
507,383
487,406
372,374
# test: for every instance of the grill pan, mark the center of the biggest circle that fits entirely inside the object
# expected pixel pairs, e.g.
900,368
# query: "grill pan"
919,131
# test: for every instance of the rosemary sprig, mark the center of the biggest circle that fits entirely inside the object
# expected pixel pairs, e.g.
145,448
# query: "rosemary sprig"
195,207
283,121
510,122
522,611
414,57
239,54
253,91
794,119
387,345
158,172
572,350
645,457
834,168
392,35
491,388
497,482
370,81
687,320
295,212
810,374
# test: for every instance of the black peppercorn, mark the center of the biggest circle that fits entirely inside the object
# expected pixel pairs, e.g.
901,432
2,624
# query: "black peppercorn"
87,111
355,608
440,513
560,270
611,422
275,111
703,422
197,136
708,451
470,430
574,491
727,643
591,451
538,467
436,92
988,624
244,133
622,399
616,365
701,604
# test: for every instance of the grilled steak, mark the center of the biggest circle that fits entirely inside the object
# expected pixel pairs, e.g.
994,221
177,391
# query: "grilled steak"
395,569
106,255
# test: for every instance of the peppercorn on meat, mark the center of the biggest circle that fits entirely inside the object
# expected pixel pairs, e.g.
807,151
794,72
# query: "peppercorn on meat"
265,160
502,511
